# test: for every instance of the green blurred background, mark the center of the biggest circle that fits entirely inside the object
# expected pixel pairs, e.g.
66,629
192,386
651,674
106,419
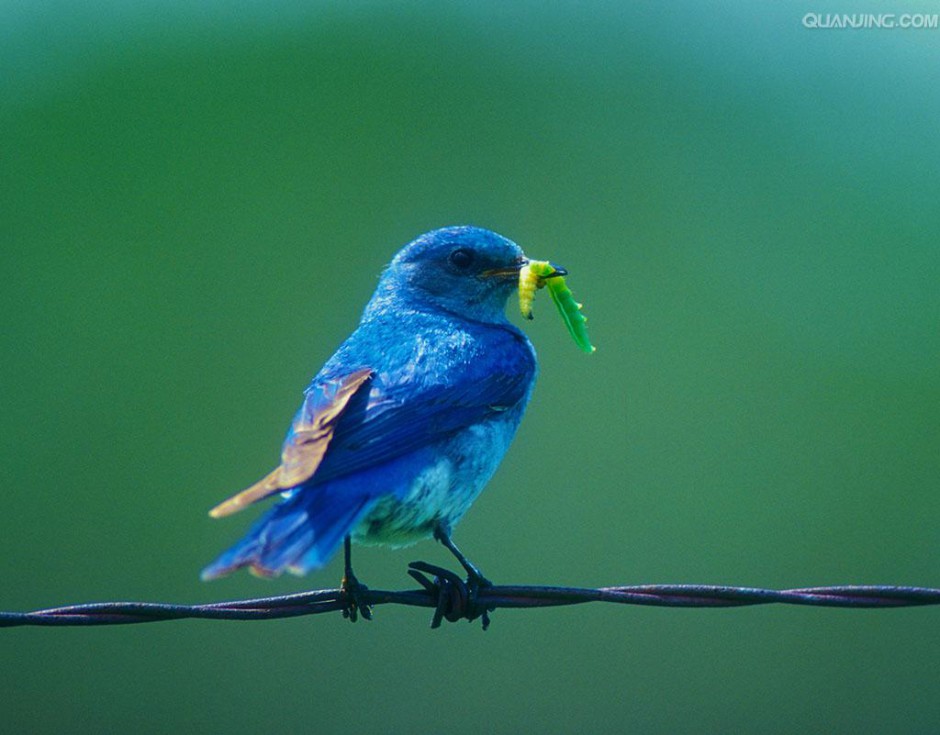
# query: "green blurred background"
195,206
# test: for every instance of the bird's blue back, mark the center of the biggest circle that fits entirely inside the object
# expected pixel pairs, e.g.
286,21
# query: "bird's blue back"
446,375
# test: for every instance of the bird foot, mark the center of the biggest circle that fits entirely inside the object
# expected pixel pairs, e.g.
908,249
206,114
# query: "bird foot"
352,592
457,599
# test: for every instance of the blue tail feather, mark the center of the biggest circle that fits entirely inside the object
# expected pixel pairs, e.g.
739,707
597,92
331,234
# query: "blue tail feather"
298,534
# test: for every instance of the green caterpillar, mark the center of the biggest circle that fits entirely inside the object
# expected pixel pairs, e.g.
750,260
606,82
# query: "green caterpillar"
538,273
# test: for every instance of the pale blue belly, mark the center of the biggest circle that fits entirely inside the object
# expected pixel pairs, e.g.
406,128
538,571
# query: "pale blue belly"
442,487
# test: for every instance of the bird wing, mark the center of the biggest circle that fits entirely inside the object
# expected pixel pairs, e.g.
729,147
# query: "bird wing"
366,428
401,418
307,442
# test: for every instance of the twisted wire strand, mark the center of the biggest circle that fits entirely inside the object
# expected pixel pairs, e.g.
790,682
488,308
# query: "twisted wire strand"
454,599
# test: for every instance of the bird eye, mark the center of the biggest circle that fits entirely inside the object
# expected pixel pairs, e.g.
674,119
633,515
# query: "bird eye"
461,258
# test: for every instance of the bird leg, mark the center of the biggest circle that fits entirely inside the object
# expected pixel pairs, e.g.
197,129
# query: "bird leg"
475,578
351,589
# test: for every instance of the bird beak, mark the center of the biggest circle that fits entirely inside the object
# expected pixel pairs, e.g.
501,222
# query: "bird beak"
510,272
513,270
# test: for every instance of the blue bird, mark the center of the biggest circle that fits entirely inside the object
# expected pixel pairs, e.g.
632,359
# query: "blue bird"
404,425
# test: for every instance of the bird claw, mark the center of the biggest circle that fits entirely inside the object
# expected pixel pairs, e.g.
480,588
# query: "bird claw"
352,592
457,599
477,582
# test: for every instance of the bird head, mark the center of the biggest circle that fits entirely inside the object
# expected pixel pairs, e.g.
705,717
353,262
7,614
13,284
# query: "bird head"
467,271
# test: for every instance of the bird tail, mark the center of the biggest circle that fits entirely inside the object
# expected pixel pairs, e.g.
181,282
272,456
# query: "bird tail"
298,535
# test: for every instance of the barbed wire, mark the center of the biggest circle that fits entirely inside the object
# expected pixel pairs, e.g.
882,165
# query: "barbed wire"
453,599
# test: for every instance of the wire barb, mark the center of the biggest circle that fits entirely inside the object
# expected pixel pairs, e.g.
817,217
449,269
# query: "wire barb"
454,599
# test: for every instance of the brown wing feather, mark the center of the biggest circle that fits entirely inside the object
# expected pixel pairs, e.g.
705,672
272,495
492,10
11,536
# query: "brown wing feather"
302,455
